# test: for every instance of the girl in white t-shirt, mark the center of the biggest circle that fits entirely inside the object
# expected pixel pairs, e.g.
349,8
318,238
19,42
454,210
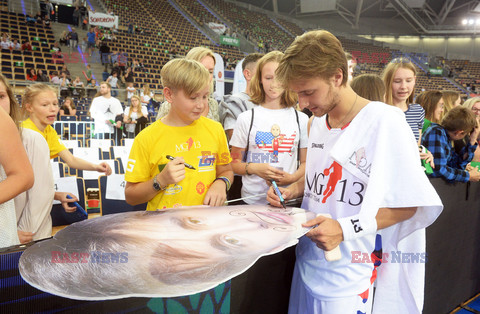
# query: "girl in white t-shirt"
271,145
133,116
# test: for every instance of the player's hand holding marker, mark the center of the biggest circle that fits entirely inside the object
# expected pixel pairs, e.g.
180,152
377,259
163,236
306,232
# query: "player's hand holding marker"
326,232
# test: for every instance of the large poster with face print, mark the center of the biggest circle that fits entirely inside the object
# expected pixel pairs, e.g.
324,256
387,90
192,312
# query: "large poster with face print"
159,254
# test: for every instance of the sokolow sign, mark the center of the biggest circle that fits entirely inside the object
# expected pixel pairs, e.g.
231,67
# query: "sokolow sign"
225,40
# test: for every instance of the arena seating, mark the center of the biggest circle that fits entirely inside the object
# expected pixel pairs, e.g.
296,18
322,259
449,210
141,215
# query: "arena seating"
15,63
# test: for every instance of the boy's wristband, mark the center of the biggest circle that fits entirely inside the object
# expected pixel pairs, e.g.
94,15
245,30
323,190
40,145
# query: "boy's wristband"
226,180
354,228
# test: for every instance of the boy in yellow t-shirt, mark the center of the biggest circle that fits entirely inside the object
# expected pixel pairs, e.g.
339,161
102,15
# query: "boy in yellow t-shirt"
182,159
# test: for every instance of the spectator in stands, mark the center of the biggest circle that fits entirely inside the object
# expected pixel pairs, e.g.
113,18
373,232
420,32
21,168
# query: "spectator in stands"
146,96
433,104
206,57
128,76
16,174
55,79
135,117
369,86
40,102
83,45
79,87
113,81
5,43
186,87
276,117
452,99
76,16
104,52
49,8
449,165
73,38
66,71
233,105
91,41
91,88
130,92
30,20
104,111
42,77
65,85
15,45
68,108
26,46
88,74
31,75
64,39
55,47
38,18
130,27
136,66
122,61
92,83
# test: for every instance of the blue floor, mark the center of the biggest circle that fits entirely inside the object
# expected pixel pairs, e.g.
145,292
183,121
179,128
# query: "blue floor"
471,307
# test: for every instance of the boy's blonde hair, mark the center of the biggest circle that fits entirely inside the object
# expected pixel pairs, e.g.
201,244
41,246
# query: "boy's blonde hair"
315,54
289,99
389,73
32,91
198,53
187,75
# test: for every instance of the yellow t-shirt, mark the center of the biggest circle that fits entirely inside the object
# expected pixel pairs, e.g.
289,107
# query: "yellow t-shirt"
50,135
202,144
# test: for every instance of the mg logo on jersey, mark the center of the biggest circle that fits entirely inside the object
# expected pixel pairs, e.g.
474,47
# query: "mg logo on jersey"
187,146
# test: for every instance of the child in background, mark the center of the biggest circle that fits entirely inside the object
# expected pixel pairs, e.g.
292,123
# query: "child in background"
187,136
433,104
457,123
40,103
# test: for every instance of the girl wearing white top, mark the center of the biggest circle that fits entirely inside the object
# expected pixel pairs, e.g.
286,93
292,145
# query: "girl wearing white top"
134,116
274,140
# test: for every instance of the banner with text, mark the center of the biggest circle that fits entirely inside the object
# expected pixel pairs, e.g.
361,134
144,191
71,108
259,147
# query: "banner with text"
217,28
102,19
225,40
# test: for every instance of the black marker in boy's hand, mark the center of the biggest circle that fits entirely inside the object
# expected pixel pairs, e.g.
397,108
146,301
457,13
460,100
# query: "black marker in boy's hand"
186,165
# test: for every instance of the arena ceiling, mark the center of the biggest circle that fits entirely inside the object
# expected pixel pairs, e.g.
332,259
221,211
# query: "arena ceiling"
425,17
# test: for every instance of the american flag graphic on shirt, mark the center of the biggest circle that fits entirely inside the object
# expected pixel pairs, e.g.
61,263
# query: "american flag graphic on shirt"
264,140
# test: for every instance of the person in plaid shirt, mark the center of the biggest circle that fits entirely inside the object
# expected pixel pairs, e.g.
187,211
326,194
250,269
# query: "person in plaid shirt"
458,123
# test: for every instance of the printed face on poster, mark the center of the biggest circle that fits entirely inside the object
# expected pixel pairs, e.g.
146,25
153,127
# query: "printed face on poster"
159,254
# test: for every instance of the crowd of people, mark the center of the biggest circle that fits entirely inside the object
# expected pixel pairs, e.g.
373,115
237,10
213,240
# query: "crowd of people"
303,123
